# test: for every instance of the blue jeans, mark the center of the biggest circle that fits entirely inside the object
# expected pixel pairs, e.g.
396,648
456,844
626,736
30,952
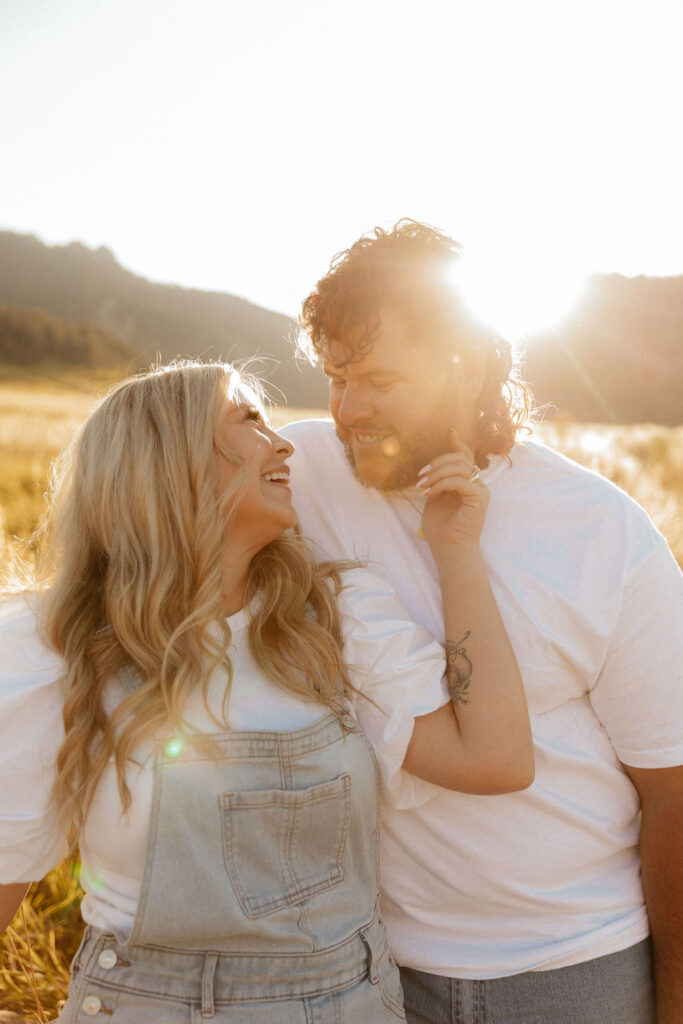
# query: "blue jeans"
614,989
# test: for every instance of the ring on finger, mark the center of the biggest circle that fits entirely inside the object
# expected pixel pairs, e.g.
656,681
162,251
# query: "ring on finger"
474,475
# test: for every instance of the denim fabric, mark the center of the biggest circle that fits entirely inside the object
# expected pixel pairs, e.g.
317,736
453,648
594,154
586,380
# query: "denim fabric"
259,894
614,989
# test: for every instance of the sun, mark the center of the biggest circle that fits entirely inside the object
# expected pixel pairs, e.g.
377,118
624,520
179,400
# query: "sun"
521,299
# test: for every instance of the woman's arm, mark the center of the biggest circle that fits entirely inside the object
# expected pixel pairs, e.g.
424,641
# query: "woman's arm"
481,742
10,901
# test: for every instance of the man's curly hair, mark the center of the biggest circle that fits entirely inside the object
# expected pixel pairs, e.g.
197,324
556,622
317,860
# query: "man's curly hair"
410,268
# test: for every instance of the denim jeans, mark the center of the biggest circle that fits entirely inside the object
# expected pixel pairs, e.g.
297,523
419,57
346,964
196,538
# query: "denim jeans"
614,989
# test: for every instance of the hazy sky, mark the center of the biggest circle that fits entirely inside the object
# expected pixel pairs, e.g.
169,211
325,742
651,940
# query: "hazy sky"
237,146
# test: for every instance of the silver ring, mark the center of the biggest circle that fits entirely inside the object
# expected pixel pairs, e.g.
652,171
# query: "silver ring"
474,475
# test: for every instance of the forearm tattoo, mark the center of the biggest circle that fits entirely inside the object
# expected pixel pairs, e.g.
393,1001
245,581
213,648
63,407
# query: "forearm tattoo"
458,670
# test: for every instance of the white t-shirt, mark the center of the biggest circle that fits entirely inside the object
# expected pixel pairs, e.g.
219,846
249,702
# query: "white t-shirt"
481,887
395,662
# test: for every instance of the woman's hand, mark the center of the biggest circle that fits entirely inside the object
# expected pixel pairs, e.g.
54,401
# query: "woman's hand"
481,742
456,499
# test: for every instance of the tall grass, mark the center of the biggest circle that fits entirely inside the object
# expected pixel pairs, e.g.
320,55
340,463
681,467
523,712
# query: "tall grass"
39,944
35,422
645,460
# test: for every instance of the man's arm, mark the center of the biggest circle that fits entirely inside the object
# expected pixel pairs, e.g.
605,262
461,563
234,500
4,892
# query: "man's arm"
10,901
661,852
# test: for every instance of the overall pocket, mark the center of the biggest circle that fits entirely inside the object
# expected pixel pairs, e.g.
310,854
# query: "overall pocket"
282,846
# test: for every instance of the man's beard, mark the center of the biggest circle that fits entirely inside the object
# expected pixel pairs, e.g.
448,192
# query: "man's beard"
402,469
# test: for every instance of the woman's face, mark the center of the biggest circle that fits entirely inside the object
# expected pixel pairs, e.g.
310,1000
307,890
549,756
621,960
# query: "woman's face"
264,507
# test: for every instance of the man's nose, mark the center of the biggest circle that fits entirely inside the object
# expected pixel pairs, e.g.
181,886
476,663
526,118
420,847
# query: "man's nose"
354,406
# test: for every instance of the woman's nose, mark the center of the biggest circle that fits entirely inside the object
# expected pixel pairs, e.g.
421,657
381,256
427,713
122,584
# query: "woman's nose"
282,445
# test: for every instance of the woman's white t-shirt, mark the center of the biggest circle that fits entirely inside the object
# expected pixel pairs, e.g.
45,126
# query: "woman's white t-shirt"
395,662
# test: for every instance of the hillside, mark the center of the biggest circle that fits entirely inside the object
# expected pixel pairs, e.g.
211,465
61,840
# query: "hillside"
618,357
30,337
90,287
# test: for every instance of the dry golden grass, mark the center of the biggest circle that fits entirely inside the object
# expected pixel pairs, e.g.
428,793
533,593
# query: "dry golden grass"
36,419
645,460
39,945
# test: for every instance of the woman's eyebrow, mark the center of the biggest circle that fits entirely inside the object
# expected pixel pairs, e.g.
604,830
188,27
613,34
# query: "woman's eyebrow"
249,408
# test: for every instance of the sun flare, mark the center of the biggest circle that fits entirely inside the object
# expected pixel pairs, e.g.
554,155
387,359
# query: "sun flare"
519,300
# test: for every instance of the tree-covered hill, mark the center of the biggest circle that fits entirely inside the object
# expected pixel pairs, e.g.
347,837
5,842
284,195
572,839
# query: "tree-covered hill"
89,286
31,337
618,357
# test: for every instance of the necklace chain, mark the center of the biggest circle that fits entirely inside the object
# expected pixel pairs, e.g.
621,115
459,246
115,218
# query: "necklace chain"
414,506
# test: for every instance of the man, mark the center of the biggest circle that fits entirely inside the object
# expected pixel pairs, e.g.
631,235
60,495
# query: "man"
529,907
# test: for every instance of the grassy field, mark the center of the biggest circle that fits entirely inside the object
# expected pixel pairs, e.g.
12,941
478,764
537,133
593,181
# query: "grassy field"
37,417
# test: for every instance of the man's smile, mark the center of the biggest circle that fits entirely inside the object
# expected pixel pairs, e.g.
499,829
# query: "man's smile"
366,438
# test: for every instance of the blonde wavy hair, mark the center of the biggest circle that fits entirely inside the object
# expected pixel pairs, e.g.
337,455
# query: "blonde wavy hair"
131,577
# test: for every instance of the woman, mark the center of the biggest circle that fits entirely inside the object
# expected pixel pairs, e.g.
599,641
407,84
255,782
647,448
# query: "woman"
182,697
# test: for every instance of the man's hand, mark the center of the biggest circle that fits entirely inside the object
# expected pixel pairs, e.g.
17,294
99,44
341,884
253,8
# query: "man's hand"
661,853
456,499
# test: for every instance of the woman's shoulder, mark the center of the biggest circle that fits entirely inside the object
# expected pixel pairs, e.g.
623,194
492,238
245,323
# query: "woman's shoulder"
373,610
26,663
358,582
31,732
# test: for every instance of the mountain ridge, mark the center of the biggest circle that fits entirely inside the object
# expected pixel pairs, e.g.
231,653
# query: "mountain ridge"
155,320
617,357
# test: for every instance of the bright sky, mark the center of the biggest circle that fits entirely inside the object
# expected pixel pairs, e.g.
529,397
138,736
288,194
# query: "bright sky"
237,146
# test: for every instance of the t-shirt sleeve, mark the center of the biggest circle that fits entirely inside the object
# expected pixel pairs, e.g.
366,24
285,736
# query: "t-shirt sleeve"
31,731
398,668
638,696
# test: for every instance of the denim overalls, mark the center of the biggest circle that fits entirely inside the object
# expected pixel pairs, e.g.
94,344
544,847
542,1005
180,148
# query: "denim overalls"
259,894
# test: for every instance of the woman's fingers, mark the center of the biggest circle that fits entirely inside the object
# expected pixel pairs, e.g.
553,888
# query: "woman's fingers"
460,459
458,445
455,511
456,499
460,469
472,489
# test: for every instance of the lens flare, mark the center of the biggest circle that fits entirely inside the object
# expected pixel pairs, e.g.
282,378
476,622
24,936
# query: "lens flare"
390,446
90,881
174,746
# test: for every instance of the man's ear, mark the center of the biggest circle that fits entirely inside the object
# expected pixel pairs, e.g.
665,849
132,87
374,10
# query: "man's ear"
471,366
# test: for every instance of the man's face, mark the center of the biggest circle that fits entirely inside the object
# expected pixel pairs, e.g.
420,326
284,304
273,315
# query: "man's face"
393,407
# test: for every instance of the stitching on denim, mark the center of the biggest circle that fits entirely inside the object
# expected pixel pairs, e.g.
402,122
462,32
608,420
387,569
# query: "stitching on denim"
290,801
481,1001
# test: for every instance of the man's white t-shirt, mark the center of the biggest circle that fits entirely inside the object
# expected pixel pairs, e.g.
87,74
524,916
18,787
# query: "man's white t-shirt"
396,663
482,887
